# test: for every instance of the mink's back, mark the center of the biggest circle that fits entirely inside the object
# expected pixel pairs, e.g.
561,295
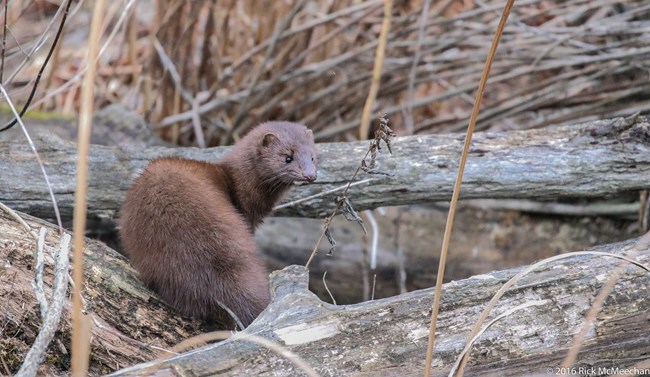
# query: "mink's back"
190,244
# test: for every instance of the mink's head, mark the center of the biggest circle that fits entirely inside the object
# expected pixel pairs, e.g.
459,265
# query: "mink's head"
285,152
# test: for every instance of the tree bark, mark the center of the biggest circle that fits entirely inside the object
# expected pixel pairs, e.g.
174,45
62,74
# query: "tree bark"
382,337
128,319
388,337
594,159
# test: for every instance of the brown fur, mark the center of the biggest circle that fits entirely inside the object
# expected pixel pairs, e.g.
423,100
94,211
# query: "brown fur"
188,226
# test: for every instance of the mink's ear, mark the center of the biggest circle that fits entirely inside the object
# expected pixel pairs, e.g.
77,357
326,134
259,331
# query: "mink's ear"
269,139
310,133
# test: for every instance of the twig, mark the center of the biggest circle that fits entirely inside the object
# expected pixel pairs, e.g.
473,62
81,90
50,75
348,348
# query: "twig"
4,42
37,45
4,365
38,158
108,42
196,122
383,133
457,184
328,289
376,72
51,321
374,284
321,194
19,219
39,258
193,102
375,238
365,272
42,69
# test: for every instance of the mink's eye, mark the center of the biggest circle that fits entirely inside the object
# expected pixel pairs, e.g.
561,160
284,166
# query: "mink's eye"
312,159
288,159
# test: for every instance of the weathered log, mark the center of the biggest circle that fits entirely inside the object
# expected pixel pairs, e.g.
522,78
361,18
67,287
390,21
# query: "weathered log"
388,337
408,247
129,321
594,159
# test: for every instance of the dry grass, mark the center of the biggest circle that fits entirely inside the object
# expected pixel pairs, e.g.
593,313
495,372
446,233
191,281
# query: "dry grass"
81,322
498,34
241,62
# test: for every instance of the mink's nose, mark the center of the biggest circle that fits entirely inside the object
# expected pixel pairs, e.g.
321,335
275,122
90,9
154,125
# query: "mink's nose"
309,177
308,170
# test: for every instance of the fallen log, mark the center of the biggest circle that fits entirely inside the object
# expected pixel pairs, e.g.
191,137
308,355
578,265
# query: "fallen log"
129,323
386,337
594,159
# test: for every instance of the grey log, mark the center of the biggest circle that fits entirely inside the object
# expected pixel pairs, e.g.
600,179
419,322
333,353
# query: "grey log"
594,159
388,337
129,324
384,337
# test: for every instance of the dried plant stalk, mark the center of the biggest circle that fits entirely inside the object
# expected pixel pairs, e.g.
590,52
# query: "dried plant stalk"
242,63
384,133
459,179
80,322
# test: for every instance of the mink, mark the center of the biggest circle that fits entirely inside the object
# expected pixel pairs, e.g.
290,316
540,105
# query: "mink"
187,226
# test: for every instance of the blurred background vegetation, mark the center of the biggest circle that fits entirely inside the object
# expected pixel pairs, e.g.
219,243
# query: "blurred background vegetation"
203,72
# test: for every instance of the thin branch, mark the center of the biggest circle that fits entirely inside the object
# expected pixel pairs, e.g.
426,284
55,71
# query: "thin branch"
19,219
37,45
39,258
374,240
321,194
328,289
51,321
176,77
42,69
334,212
108,42
4,42
384,133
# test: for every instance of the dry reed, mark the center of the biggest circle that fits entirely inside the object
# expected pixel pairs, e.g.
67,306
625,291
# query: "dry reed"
241,62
